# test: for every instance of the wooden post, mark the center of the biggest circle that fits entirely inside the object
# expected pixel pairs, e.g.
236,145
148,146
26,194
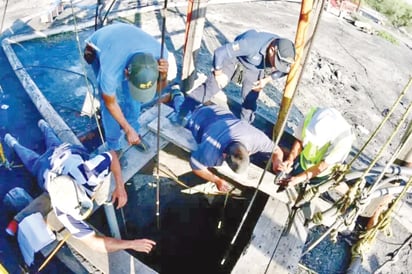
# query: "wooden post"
302,45
196,12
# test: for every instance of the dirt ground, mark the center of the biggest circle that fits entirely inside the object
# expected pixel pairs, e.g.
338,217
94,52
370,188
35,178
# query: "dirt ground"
358,73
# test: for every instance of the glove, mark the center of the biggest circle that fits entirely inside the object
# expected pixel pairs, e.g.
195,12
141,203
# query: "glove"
222,80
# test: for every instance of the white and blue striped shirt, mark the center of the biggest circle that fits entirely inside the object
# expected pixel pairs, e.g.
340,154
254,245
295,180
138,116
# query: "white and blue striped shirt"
89,173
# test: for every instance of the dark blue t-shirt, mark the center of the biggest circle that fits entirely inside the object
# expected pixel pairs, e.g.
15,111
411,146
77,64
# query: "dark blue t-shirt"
214,128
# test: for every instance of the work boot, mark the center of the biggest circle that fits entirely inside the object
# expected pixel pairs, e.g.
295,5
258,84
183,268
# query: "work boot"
10,140
42,125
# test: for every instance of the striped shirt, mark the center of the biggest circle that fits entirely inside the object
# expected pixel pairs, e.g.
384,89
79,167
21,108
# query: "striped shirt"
89,173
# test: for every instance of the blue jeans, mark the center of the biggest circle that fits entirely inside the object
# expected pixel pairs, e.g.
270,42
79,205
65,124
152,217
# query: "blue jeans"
112,130
130,108
209,88
34,162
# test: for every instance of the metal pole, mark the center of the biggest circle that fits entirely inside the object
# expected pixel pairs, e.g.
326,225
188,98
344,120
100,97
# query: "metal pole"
306,10
163,13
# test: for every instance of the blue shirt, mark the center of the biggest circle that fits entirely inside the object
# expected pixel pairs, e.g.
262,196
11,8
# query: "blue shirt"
250,49
214,128
89,173
115,46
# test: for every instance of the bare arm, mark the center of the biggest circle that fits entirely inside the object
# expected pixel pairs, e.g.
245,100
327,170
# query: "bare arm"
277,159
116,112
286,164
163,68
209,176
109,244
119,192
260,84
308,174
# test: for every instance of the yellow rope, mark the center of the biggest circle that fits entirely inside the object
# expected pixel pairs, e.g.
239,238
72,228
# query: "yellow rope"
54,252
383,224
2,157
340,172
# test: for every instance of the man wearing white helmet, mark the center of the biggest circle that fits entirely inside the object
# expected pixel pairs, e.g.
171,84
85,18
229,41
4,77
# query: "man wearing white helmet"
74,181
323,140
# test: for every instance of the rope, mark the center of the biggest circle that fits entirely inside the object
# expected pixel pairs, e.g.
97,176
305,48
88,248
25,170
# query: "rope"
340,172
89,93
276,142
383,223
2,156
392,109
54,252
350,203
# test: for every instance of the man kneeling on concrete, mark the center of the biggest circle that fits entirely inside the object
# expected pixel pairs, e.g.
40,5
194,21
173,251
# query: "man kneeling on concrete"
74,181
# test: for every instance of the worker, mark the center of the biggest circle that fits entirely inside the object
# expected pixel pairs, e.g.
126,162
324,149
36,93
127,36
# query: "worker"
247,61
221,136
128,68
323,140
74,181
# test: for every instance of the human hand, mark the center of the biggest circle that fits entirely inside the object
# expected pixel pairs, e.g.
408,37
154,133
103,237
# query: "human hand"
163,66
132,137
120,195
291,181
260,84
143,245
285,166
222,185
221,79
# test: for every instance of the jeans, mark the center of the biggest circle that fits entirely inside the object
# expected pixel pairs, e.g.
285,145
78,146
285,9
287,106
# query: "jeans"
34,162
209,88
130,108
112,130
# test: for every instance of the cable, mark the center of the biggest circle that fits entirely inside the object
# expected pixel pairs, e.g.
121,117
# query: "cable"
85,74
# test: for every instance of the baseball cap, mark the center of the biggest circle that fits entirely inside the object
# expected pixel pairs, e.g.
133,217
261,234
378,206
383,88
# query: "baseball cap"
70,198
285,54
143,74
237,157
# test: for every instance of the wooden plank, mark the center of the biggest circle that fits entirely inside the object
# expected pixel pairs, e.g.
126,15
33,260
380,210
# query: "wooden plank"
287,255
42,104
140,159
269,251
115,262
266,234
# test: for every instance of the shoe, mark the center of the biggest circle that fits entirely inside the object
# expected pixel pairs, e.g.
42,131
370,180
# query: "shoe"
12,228
175,91
10,140
42,124
177,98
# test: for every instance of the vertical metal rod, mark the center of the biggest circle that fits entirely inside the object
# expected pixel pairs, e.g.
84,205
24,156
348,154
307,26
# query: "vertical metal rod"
158,123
